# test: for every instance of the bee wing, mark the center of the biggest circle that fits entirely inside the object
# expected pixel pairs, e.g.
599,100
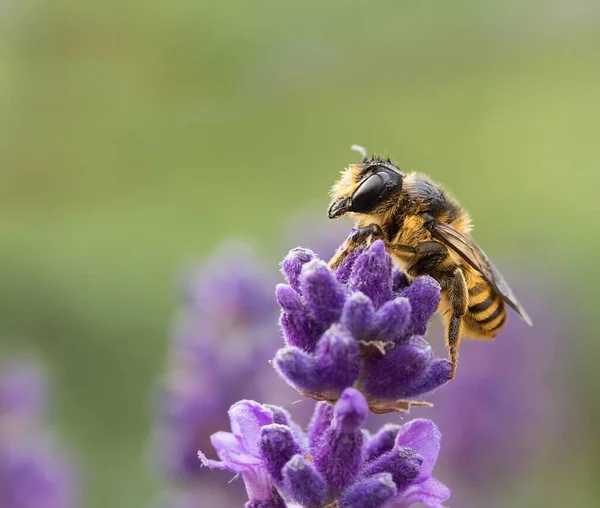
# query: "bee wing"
466,248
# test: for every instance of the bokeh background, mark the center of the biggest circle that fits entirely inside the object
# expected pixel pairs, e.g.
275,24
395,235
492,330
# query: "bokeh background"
136,136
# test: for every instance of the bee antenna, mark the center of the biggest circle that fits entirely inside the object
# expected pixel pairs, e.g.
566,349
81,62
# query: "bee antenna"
362,151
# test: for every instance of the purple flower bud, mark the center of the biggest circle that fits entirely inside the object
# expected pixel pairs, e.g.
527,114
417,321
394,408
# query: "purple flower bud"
382,442
304,483
293,263
373,492
358,315
337,358
339,454
323,294
288,299
402,463
299,331
278,446
298,369
344,272
334,366
437,374
372,274
393,375
392,320
424,297
319,423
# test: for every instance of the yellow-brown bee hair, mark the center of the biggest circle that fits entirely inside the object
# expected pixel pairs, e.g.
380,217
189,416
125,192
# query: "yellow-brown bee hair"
426,232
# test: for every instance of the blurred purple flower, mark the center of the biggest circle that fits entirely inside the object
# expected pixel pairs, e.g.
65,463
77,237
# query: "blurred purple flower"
34,476
33,473
22,394
225,335
310,229
361,326
513,393
337,461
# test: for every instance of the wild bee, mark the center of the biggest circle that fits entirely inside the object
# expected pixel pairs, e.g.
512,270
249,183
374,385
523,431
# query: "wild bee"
426,232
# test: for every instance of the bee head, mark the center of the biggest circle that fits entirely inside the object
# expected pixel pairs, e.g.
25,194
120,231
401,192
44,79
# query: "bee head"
373,185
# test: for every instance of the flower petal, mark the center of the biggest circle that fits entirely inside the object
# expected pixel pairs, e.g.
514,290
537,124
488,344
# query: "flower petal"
430,492
213,464
247,417
226,440
424,437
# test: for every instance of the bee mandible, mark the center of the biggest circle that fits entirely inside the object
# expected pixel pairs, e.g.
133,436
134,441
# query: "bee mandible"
426,232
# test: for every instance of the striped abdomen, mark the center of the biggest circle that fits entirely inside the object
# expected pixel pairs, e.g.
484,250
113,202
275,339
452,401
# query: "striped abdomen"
486,313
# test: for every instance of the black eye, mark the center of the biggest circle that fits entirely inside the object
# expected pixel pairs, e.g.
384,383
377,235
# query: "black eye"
365,198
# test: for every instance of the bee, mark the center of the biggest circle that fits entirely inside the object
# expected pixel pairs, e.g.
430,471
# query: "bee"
426,232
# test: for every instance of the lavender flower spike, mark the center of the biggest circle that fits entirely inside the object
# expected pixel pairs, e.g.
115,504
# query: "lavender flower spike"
340,465
34,472
360,326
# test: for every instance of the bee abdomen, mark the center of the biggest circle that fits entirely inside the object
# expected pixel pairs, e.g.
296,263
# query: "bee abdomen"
486,309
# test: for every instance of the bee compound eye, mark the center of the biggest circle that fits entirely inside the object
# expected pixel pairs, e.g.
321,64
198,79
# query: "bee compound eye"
367,195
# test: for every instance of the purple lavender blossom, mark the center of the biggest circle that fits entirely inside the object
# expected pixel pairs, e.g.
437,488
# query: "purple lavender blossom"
336,461
309,228
34,475
224,338
33,472
240,450
22,392
360,326
514,393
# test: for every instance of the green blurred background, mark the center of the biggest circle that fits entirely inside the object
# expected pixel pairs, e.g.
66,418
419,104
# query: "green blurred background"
135,136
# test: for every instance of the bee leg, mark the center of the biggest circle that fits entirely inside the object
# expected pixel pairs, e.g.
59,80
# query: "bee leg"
458,295
429,255
372,232
423,258
356,239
